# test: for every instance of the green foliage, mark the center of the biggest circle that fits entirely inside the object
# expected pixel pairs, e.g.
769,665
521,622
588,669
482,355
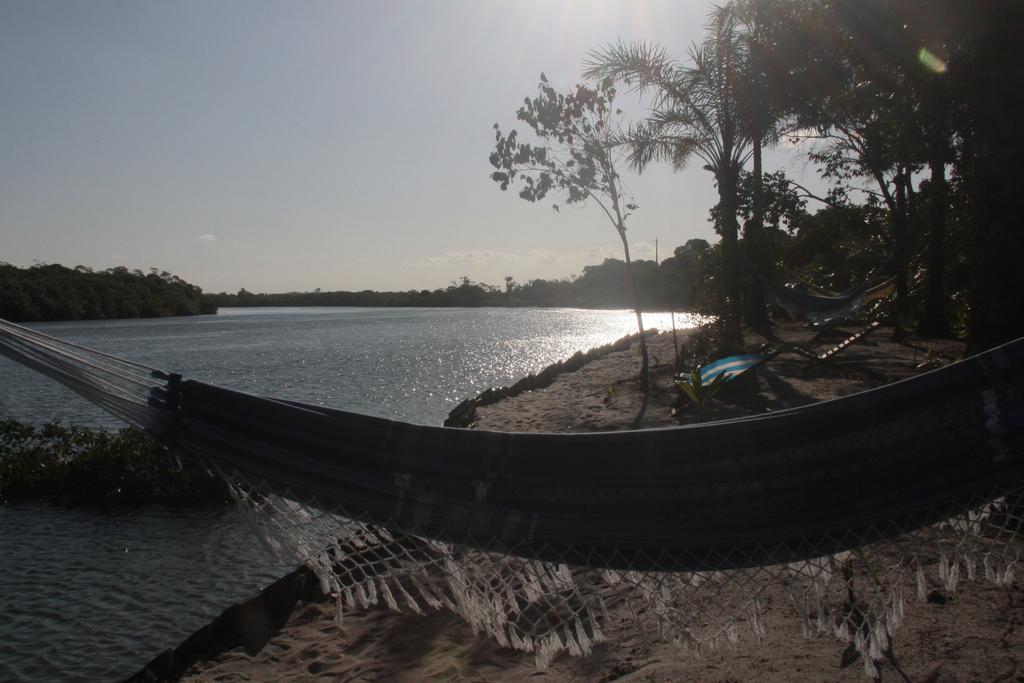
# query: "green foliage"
708,342
837,246
783,205
572,153
700,394
53,292
80,466
696,111
692,275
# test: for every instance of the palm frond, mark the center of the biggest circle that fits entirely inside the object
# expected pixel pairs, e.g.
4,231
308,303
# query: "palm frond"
641,66
688,123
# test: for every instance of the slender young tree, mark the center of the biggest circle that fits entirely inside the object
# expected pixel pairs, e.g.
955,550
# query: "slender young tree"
573,155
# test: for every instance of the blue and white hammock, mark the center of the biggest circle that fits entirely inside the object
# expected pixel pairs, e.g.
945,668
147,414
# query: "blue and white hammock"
732,367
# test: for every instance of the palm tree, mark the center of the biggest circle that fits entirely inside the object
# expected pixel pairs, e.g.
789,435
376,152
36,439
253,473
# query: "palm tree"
764,102
696,111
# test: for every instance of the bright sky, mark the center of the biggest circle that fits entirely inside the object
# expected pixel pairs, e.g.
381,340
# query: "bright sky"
283,146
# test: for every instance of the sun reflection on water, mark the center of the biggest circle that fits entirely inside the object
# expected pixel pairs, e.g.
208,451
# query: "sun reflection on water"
411,364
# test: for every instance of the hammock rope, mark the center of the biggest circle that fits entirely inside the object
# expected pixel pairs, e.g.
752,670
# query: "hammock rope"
546,541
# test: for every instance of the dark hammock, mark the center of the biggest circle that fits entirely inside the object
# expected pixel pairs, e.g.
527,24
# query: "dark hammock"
761,490
544,540
801,304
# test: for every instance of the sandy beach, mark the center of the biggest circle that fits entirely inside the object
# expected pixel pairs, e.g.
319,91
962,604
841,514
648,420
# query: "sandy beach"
973,634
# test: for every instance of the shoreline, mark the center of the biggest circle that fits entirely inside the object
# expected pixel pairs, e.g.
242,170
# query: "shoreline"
973,640
464,414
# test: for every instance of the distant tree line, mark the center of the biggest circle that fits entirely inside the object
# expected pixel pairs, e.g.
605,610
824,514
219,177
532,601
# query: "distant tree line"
682,282
805,246
55,292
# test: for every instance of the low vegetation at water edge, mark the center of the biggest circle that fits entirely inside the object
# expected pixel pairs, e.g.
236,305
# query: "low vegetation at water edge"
81,466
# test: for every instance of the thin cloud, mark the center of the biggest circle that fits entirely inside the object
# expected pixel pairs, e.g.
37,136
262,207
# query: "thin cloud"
594,254
473,256
205,238
643,249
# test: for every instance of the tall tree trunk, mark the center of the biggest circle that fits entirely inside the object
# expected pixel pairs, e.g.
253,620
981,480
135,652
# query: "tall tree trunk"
994,155
997,283
935,322
755,312
645,380
900,238
620,227
733,338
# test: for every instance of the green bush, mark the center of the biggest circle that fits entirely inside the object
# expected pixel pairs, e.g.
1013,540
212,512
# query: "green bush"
80,466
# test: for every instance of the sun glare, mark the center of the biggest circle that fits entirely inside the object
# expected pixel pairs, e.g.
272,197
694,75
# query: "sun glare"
931,61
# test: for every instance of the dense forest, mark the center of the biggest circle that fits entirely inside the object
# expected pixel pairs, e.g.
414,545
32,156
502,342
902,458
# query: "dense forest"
909,110
54,292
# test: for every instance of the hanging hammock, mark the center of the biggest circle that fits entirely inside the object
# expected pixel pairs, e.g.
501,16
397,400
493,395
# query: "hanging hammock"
531,536
821,309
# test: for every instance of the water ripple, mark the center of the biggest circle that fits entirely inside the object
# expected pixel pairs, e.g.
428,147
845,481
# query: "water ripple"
89,595
415,364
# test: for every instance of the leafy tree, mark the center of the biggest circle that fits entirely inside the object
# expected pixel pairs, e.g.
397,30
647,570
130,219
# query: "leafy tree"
885,114
837,246
867,133
53,292
691,272
695,112
573,154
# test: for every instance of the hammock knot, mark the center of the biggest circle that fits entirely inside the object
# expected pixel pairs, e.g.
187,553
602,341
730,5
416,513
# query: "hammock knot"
168,397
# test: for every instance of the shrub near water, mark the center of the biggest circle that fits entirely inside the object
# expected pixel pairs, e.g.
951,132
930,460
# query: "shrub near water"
76,466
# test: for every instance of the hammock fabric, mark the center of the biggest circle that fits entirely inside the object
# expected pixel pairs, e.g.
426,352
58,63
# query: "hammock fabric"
819,309
536,539
731,367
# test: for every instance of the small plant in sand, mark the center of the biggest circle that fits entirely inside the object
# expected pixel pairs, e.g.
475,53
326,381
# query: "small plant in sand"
932,361
700,394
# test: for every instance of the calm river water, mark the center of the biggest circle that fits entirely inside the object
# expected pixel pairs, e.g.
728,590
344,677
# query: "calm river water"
93,595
